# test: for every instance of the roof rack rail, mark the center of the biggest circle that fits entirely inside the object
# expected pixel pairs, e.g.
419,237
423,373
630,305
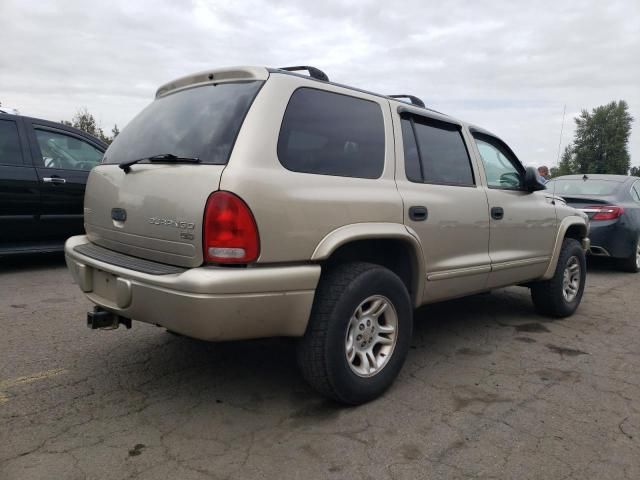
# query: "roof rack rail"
313,72
414,100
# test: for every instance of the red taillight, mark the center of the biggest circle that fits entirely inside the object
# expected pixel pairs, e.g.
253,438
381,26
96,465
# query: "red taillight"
605,212
230,233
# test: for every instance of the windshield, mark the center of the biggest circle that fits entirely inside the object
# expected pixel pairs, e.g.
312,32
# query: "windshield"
582,187
200,122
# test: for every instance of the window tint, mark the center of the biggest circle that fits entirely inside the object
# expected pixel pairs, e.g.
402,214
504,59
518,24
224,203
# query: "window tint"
635,191
201,122
65,151
411,157
442,152
10,151
500,171
583,187
331,134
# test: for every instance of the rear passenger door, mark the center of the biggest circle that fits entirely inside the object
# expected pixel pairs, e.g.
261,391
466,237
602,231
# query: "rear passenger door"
63,159
19,196
523,223
443,203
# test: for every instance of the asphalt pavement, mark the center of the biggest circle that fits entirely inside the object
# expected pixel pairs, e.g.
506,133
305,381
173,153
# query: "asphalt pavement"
490,390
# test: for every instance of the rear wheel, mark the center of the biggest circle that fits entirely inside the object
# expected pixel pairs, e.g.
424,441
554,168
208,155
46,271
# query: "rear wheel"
561,294
632,262
358,334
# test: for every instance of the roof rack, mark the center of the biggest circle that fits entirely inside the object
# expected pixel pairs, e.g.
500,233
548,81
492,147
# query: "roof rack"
414,100
313,72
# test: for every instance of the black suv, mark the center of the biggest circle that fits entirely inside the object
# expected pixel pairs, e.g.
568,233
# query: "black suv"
43,171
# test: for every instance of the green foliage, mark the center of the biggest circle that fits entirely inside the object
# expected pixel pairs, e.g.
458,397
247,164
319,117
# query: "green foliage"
85,121
634,171
567,164
600,143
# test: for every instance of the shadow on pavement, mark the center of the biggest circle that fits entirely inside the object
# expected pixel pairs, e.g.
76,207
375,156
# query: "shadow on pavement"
31,262
259,375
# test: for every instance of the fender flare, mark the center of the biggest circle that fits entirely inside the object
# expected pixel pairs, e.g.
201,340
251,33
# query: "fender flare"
372,231
566,223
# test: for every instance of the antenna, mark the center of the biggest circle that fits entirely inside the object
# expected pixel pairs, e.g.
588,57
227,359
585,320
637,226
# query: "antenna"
564,110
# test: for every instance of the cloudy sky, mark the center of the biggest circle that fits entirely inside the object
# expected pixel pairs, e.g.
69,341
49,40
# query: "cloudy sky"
507,66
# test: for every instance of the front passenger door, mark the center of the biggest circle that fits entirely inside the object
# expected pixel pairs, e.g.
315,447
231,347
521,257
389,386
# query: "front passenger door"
63,160
522,224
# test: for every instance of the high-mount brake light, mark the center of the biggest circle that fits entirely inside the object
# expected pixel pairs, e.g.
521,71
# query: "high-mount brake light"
230,232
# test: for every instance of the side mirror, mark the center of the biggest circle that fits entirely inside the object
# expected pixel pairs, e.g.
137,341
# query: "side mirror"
531,180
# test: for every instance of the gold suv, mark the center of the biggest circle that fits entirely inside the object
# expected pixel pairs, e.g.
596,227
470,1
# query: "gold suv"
254,202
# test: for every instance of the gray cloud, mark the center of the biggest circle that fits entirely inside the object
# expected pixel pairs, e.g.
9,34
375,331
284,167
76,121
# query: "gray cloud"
509,67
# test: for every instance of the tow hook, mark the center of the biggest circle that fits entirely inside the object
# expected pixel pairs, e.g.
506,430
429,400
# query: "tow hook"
105,320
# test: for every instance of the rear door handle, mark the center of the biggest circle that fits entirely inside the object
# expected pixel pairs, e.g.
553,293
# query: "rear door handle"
54,180
418,213
497,213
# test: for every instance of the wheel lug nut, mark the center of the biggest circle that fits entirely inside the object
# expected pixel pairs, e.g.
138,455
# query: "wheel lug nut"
361,326
368,323
363,344
359,337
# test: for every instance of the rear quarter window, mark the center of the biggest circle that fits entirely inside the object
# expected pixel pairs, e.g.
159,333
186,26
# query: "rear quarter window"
327,133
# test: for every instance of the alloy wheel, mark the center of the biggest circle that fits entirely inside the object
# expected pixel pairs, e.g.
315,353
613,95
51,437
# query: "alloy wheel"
371,336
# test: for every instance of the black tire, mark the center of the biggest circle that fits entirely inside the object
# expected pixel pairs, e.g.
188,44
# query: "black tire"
547,296
322,356
630,264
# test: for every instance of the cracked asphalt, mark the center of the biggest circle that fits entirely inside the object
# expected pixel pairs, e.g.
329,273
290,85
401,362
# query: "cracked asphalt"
490,390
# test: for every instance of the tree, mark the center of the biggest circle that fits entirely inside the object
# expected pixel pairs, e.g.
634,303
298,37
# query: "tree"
634,171
567,164
601,140
85,121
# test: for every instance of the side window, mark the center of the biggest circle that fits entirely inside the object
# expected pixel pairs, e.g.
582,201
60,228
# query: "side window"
635,191
501,171
64,151
332,134
10,151
436,153
412,166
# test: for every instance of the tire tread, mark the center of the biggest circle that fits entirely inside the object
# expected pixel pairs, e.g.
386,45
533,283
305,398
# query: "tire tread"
547,295
311,349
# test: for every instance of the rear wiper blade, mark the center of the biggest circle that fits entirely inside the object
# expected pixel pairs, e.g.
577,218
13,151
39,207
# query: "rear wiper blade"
164,157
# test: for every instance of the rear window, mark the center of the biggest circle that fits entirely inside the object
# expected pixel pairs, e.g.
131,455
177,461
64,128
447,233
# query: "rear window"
332,134
200,122
583,187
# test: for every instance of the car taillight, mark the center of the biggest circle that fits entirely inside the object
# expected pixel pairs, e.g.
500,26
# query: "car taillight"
605,212
230,233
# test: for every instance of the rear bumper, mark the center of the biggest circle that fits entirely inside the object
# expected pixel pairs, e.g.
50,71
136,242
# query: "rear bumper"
612,238
208,303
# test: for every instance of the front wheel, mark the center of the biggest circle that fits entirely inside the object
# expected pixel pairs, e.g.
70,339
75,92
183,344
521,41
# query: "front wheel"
358,334
561,294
